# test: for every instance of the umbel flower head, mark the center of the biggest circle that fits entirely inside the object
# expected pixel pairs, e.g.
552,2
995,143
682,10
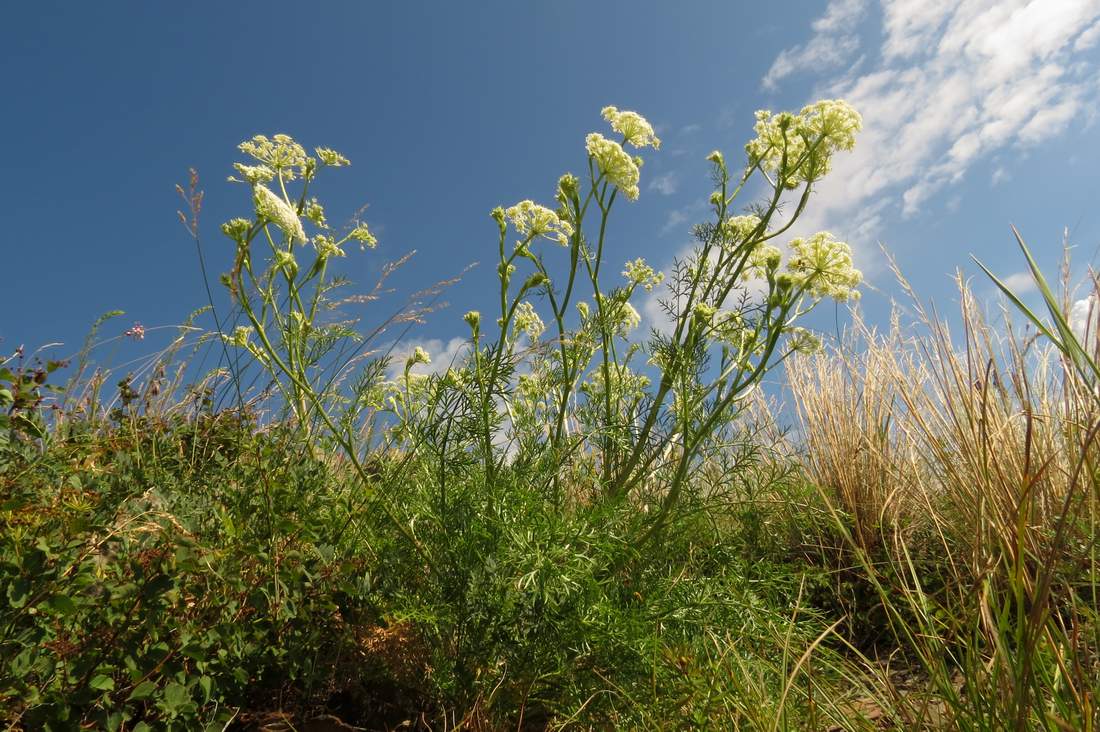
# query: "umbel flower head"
531,219
638,272
823,266
281,154
799,147
632,126
277,211
527,321
614,162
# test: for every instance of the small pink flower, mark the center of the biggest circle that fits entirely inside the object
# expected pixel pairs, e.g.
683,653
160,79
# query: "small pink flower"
137,332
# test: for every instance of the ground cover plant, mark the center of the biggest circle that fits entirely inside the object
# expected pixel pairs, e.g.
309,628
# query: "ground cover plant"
573,525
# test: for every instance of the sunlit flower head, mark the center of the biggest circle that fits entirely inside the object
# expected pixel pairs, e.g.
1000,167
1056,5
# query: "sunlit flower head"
803,341
326,246
363,235
531,219
277,211
823,266
614,162
763,259
280,153
799,147
736,230
253,174
331,157
527,321
638,272
632,126
237,229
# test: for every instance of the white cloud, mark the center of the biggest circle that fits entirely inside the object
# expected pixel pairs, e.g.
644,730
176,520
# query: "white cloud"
666,184
1000,175
833,43
678,217
1019,282
956,82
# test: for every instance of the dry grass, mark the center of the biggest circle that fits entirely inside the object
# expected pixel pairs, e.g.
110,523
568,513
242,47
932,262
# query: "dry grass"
975,453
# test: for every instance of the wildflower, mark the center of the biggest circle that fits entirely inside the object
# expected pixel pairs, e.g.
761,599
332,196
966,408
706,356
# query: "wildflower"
638,272
582,308
281,154
704,313
763,260
614,162
331,158
736,230
568,185
418,356
326,246
315,212
253,174
632,126
237,229
823,266
137,332
803,144
473,319
624,383
527,321
803,341
362,235
240,337
285,261
531,220
629,319
276,210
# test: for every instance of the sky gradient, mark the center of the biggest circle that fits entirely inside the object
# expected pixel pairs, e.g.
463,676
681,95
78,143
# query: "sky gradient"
977,115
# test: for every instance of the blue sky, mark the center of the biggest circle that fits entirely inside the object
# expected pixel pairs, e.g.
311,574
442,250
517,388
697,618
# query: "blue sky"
977,115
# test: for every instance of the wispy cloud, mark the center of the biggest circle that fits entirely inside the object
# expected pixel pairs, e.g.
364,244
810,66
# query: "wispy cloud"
834,43
666,184
954,83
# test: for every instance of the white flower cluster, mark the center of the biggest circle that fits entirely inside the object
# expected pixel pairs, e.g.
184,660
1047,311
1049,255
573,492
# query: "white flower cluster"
803,341
278,212
763,259
331,157
418,356
281,154
531,219
527,321
736,230
823,266
614,162
632,126
638,272
798,147
625,383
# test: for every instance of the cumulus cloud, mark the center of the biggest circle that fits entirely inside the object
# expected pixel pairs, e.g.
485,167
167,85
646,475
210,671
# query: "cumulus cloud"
954,83
1019,282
